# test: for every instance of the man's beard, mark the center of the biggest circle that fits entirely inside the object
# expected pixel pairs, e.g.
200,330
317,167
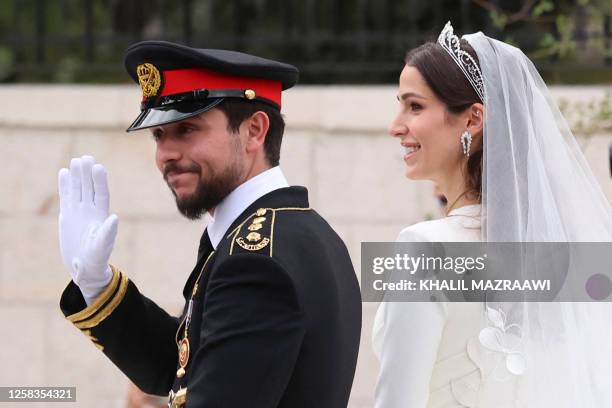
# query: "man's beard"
208,194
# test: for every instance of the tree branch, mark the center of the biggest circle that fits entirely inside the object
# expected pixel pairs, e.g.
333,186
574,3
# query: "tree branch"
521,15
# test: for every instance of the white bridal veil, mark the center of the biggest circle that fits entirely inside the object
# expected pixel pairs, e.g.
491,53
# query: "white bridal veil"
537,187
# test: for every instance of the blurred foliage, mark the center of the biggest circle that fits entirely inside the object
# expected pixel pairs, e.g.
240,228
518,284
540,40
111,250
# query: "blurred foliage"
588,118
576,28
332,41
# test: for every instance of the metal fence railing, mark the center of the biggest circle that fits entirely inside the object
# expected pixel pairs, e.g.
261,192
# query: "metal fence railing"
333,41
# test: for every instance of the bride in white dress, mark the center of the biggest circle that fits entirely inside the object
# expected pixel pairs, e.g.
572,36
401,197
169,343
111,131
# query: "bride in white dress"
476,118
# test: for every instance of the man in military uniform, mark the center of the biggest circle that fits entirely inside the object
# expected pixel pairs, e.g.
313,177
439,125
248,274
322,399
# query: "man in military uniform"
272,316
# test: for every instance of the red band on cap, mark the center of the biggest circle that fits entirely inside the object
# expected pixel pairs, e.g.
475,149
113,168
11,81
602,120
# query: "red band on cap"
185,80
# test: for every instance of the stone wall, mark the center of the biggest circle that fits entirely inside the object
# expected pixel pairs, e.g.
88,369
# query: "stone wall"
335,144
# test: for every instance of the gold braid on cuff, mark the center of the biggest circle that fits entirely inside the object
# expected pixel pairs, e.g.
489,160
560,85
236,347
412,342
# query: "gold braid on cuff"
104,304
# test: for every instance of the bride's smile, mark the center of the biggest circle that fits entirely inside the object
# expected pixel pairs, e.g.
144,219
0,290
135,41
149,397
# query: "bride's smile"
410,149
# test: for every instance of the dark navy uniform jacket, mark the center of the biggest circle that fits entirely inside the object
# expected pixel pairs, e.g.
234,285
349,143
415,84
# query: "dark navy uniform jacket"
276,318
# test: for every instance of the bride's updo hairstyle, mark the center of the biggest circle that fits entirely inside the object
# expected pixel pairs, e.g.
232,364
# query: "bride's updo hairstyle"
450,85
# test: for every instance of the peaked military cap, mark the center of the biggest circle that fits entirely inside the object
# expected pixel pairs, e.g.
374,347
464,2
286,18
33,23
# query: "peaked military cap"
179,82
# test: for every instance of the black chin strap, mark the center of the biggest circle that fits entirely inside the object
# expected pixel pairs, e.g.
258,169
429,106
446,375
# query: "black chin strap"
199,95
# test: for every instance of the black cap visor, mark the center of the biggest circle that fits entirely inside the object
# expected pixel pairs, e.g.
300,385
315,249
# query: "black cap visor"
152,117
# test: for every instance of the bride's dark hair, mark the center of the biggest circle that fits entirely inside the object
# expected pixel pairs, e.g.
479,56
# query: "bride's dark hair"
450,85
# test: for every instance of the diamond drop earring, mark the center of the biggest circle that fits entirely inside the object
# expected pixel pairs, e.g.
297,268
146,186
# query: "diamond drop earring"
466,142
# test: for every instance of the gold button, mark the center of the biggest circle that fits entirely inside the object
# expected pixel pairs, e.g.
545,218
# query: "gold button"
249,94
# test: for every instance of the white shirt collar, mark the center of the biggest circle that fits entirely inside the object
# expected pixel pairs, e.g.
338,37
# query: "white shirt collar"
238,200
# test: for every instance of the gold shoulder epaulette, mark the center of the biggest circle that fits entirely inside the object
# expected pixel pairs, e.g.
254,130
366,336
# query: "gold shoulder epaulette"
256,232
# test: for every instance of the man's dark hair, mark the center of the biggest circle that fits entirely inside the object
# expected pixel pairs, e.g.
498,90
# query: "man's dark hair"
237,111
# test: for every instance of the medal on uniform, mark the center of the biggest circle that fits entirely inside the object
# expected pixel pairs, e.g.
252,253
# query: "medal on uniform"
183,345
183,357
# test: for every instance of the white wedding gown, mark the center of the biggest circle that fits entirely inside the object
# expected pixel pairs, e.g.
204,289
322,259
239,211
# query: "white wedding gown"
429,352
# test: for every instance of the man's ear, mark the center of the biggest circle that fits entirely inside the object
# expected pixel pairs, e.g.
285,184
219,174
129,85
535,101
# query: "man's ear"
475,123
258,125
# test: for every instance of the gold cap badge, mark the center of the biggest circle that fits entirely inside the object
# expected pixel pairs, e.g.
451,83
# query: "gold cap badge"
149,79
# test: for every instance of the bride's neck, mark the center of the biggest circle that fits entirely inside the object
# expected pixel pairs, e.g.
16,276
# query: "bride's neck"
456,193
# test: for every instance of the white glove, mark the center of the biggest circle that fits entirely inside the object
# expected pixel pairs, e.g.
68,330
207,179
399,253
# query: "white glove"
86,231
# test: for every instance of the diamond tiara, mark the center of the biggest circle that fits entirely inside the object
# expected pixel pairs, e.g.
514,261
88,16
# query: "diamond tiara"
451,43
